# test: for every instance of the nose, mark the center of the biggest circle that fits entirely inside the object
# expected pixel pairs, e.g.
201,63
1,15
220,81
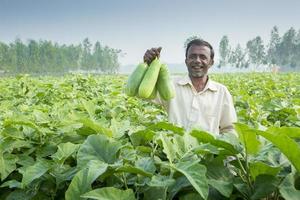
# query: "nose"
198,59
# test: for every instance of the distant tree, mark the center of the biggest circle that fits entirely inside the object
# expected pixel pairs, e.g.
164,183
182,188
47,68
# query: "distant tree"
224,50
296,55
190,39
237,57
256,51
98,56
45,56
86,61
4,56
287,48
273,47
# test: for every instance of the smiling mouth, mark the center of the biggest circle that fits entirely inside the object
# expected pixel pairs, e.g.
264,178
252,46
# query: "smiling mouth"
197,68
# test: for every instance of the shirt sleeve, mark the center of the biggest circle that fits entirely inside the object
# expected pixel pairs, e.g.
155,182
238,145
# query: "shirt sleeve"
228,115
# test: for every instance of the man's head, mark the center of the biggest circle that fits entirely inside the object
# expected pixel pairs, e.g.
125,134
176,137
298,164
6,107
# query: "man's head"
199,57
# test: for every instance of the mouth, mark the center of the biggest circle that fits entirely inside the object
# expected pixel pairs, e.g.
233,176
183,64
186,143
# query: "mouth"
197,68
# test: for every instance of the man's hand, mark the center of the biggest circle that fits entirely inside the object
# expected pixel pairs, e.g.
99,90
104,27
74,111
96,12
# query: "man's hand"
151,54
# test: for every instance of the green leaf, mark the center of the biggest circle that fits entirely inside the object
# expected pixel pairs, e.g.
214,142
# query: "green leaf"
141,137
161,181
287,188
168,148
204,137
12,184
287,146
90,107
134,170
292,132
157,193
81,183
94,127
110,193
64,151
219,176
167,126
248,138
258,168
206,148
7,164
98,147
19,194
147,164
191,196
195,173
181,182
263,186
35,171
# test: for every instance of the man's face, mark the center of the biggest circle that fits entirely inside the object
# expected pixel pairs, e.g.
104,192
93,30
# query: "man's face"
198,61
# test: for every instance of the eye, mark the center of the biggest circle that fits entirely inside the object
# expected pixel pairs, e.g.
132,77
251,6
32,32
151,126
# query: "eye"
192,56
203,57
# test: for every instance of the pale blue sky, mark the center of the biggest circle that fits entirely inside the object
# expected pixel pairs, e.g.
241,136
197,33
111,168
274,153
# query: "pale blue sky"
135,25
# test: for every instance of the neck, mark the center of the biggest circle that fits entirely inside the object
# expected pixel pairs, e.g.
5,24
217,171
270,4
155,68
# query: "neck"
199,82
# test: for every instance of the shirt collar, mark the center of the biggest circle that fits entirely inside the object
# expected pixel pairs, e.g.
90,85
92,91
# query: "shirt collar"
209,85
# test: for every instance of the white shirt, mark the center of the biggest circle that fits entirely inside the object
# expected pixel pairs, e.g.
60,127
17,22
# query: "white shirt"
211,109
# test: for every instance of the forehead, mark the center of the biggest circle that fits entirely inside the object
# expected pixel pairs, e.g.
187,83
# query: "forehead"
199,49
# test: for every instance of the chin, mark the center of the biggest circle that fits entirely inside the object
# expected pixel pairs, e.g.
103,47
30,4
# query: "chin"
198,75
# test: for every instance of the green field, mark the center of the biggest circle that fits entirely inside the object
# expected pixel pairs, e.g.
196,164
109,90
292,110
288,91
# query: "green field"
80,137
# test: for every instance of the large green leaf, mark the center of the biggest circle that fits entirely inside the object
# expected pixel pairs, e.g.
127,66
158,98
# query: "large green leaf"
288,190
131,169
110,193
287,146
263,186
196,174
168,147
205,137
141,137
147,164
81,183
258,168
64,151
167,126
93,126
292,132
248,138
219,176
98,147
161,181
35,171
7,164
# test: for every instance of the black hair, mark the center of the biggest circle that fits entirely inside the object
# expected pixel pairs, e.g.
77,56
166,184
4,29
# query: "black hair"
200,42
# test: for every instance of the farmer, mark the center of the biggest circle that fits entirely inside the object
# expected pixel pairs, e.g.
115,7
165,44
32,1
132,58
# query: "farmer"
199,102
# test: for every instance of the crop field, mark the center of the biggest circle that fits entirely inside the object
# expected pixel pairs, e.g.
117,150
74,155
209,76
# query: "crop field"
81,137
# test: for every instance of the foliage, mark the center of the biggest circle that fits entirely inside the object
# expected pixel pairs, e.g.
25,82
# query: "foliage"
46,56
81,137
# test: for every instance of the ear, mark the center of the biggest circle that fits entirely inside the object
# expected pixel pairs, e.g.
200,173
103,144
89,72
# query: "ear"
211,63
185,61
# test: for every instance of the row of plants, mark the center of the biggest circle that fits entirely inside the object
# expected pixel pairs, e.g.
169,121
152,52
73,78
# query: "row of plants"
81,137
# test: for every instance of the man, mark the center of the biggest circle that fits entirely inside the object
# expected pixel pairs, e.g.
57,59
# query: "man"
199,101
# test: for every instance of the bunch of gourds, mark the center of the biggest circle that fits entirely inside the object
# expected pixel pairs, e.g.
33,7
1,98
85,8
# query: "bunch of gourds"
146,80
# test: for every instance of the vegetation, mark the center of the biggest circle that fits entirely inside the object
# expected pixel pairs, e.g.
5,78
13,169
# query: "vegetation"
280,51
80,137
44,57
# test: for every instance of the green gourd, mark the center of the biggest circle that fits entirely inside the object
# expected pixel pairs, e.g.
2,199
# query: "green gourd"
164,85
148,83
135,79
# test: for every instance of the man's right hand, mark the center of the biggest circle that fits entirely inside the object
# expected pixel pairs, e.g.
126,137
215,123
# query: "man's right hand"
151,54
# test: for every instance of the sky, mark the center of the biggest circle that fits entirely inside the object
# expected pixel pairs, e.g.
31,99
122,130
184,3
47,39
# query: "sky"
136,25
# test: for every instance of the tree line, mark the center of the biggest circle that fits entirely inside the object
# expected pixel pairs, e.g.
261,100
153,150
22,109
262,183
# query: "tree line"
45,57
283,51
